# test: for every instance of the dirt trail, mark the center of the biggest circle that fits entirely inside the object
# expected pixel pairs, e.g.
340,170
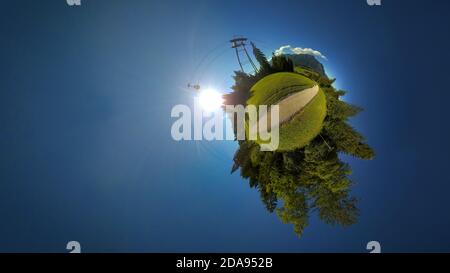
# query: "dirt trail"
292,104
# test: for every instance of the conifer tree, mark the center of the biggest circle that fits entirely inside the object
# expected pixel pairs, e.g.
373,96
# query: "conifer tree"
262,60
312,178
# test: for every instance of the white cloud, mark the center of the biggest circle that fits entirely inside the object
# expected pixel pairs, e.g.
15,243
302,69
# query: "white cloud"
287,49
281,50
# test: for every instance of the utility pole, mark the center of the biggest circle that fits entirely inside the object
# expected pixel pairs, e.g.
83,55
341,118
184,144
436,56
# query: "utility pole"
238,44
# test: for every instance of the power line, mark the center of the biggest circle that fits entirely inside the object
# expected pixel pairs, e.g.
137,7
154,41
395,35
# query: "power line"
238,43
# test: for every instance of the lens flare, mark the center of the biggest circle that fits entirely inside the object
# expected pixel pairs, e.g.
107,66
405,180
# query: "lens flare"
210,100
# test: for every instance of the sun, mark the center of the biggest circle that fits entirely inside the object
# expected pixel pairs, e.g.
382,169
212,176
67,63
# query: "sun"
210,100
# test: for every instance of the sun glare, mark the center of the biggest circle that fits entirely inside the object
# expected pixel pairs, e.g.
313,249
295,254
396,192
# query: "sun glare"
210,100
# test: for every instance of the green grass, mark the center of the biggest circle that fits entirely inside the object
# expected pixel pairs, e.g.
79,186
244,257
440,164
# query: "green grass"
306,72
274,87
303,126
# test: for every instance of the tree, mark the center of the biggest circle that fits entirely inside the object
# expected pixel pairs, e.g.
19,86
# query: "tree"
336,128
309,179
264,64
281,63
241,89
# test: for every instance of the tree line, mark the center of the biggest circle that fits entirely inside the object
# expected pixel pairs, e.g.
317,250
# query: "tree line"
311,179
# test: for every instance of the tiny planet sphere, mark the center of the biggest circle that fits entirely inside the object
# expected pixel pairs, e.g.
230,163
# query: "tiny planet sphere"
302,107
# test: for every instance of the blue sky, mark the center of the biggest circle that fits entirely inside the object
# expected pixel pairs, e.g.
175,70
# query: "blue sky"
86,152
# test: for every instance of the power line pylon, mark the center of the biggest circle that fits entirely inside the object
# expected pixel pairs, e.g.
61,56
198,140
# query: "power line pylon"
238,44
